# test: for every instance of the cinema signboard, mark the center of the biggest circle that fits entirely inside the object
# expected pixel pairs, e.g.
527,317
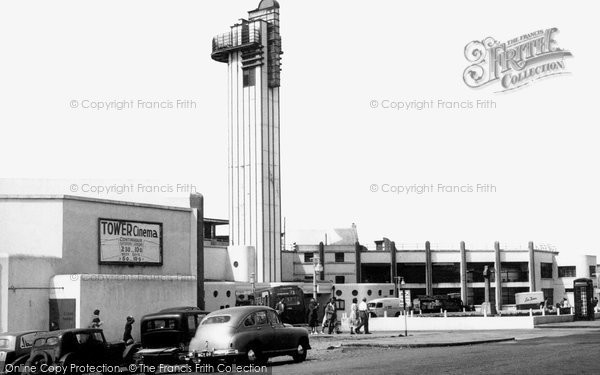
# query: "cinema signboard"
129,242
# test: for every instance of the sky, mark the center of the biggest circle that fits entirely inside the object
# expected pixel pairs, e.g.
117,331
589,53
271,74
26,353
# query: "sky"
343,149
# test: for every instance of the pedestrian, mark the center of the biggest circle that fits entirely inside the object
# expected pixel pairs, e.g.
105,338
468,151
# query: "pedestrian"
353,315
313,315
127,337
331,314
96,322
363,314
594,303
280,307
328,315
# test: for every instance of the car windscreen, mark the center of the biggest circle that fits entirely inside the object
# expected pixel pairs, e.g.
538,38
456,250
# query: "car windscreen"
160,324
7,342
218,319
46,341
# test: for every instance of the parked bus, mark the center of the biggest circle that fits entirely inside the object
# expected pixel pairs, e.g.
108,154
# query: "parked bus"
293,299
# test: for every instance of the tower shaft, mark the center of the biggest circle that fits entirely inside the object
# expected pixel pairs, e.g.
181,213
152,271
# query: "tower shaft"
252,52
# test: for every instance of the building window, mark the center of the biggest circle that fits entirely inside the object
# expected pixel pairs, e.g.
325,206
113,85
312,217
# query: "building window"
475,272
546,270
377,273
338,293
446,273
566,271
339,257
308,257
340,279
548,295
249,77
412,272
514,271
308,278
592,271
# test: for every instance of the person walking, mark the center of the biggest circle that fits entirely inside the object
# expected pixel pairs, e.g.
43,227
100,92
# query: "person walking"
353,315
313,316
95,321
363,314
127,337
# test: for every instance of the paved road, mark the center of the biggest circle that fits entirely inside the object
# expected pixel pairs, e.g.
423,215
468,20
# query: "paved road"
571,354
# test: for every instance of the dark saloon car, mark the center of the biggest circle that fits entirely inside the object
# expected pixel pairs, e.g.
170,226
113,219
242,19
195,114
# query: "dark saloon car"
15,348
167,334
247,333
78,346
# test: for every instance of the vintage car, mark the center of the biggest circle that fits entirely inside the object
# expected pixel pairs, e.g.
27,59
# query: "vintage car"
247,333
167,334
77,346
15,348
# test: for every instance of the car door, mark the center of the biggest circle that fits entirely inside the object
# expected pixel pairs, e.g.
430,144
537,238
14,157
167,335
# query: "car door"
264,332
281,335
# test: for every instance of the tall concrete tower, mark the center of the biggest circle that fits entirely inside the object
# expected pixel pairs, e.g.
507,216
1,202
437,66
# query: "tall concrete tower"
252,51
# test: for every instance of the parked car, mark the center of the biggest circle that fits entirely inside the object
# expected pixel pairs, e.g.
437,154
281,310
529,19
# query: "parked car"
247,333
78,346
166,335
386,306
15,348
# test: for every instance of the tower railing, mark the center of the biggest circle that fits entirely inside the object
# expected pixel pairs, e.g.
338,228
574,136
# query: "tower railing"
236,38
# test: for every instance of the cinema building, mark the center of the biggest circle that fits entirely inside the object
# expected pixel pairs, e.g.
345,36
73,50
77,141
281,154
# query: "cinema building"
62,257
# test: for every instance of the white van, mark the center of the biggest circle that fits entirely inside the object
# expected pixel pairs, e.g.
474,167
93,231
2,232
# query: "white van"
393,307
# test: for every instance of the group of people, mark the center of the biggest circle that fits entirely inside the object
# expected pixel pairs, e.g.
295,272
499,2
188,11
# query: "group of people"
359,317
96,322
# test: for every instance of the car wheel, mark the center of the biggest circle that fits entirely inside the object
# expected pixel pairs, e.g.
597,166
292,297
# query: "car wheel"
301,352
255,357
373,315
36,362
397,314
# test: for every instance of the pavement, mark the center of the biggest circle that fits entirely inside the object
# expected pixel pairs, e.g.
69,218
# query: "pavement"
420,339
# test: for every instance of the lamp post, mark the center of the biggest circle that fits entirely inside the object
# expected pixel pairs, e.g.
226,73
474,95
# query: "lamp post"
402,287
253,283
317,267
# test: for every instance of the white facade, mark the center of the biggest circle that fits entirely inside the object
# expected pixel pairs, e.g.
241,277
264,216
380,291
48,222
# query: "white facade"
571,267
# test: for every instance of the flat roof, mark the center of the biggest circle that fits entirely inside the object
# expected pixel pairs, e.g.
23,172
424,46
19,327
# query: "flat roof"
93,200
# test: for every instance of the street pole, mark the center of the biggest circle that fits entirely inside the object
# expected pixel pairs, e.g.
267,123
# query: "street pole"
253,282
402,284
315,282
